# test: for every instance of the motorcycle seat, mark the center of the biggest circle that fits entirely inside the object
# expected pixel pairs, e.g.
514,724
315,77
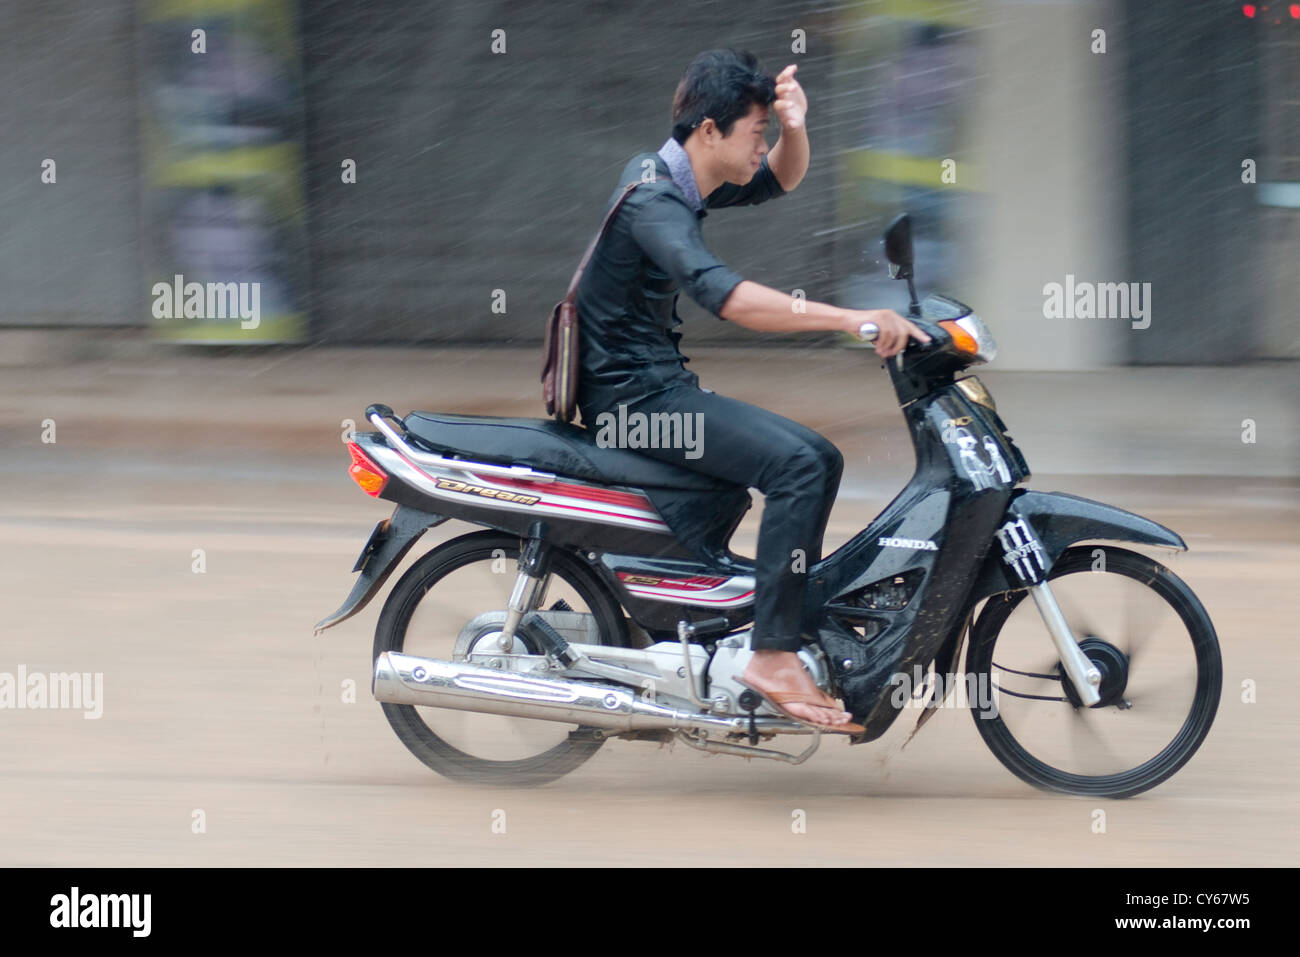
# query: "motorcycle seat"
550,446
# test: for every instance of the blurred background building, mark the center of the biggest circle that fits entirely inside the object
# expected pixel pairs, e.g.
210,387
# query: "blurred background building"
1111,141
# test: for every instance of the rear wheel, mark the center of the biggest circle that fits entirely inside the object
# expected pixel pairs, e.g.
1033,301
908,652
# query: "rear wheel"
450,605
1158,655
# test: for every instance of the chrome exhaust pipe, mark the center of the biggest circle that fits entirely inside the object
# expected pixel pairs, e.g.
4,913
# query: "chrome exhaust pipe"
459,686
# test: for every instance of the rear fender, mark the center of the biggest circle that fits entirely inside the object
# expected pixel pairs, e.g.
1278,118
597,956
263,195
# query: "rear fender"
387,546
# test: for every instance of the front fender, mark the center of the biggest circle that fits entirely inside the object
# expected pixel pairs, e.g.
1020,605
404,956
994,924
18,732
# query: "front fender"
1060,520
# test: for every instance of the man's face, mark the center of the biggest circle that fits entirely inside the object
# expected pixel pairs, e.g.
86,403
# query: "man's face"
739,153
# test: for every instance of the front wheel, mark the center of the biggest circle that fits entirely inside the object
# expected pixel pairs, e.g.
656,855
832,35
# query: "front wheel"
1161,670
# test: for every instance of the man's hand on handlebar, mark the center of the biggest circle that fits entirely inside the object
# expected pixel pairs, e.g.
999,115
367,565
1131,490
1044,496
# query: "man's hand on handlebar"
892,330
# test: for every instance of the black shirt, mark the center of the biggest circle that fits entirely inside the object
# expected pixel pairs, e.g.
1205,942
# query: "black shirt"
627,299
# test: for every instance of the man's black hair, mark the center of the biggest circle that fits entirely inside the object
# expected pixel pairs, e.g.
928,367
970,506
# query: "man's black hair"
722,85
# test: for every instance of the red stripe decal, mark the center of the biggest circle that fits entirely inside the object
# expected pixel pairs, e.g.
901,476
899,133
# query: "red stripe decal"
698,583
639,502
590,493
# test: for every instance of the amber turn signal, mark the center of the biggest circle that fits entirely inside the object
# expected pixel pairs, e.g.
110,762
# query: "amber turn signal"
961,339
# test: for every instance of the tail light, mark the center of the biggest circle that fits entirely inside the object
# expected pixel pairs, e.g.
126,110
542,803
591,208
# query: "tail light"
369,476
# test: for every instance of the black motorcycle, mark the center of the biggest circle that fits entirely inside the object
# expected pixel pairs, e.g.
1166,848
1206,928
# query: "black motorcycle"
601,599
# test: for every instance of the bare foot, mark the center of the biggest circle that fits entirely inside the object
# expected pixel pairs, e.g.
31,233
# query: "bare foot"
782,671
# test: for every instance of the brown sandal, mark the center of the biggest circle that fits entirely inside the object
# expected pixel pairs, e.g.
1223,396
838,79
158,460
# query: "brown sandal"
776,699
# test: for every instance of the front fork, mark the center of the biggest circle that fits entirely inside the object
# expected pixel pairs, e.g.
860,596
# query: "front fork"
1083,674
1023,551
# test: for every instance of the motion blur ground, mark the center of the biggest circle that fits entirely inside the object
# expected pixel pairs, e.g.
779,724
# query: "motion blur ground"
218,699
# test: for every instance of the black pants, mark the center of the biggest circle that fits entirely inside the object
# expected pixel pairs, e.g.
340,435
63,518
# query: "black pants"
796,469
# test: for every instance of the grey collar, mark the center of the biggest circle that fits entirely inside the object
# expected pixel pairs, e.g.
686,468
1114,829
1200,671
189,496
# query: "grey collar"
679,166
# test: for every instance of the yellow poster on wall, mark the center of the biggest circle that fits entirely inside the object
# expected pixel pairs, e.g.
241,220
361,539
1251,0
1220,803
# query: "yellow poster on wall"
224,205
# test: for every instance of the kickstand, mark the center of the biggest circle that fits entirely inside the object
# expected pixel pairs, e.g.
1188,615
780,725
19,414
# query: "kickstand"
751,702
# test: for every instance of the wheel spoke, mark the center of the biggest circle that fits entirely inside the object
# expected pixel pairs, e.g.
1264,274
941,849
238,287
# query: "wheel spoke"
1141,620
1170,693
1084,735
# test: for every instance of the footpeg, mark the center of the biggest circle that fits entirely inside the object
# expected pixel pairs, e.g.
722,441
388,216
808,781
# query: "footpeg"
551,640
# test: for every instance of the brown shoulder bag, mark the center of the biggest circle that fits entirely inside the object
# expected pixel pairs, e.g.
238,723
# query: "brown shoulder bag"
560,352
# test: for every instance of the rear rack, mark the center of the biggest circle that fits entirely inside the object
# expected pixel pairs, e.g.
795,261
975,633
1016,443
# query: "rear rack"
377,414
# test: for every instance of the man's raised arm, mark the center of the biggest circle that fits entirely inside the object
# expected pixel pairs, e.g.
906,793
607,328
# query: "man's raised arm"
789,157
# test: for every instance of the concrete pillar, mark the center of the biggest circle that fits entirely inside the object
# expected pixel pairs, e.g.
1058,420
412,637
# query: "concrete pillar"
1048,139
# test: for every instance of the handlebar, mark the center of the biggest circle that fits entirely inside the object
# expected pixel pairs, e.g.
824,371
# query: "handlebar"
869,331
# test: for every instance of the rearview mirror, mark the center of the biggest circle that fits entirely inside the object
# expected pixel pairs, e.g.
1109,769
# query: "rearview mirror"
898,246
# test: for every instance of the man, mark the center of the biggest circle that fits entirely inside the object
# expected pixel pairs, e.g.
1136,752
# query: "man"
718,156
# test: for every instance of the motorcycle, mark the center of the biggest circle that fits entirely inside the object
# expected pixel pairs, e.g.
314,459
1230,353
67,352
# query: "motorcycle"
601,598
